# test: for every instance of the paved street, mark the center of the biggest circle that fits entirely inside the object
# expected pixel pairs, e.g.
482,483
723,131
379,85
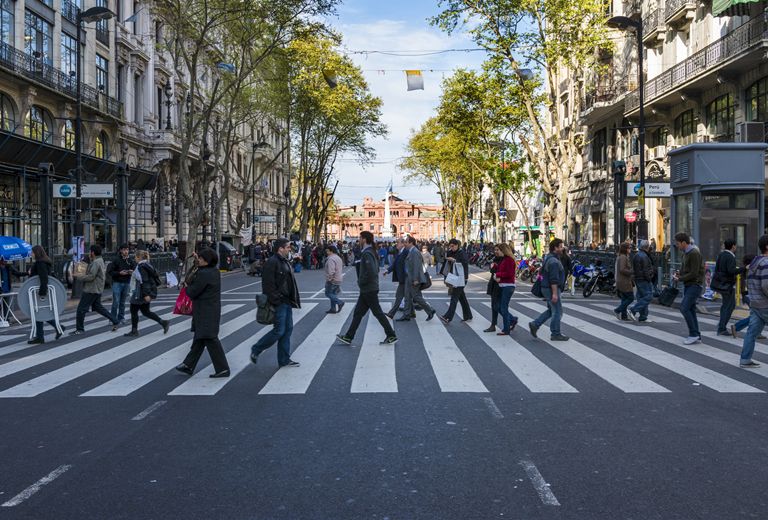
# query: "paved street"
451,423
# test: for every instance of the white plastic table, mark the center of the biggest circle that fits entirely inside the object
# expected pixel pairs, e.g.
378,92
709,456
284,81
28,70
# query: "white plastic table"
6,308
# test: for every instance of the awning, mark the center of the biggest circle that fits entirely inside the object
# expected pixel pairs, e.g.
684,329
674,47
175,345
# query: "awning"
21,152
731,7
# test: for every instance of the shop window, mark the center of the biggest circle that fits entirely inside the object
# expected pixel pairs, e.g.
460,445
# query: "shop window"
685,128
38,125
101,150
757,101
7,114
720,118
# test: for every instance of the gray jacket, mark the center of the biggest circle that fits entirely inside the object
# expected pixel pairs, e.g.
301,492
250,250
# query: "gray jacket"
414,266
94,276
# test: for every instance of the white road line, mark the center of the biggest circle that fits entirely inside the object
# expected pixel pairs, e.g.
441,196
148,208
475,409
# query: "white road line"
453,371
241,287
238,359
317,294
375,369
147,372
539,484
655,317
151,408
659,357
34,488
491,404
531,371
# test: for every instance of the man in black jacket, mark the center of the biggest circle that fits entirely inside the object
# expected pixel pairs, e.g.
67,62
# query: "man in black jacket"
397,268
456,255
643,276
368,282
121,269
724,282
278,283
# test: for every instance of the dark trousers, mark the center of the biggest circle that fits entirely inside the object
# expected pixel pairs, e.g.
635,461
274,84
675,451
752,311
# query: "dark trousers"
495,300
215,350
91,301
39,334
400,294
365,302
414,297
626,300
144,308
458,296
726,309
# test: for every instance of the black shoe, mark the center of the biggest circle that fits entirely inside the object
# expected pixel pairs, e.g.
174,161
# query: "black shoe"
134,333
344,339
341,306
36,341
391,315
166,326
76,332
533,328
115,326
185,369
466,319
512,325
492,328
291,363
413,315
223,373
389,340
431,315
331,311
60,334
403,318
254,358
559,337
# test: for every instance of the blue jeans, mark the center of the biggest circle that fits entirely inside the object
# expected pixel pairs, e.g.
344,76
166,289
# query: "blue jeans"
507,317
626,299
331,290
119,294
742,324
757,320
554,311
644,297
691,294
280,334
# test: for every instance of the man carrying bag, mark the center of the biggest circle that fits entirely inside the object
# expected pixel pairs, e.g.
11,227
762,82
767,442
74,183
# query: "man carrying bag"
724,282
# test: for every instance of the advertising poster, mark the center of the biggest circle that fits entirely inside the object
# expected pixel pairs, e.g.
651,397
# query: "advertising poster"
709,270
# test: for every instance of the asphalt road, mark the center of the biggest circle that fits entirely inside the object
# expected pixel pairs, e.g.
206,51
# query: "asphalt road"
620,423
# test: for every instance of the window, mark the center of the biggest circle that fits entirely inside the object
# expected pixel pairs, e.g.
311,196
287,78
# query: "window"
757,101
6,21
371,213
102,74
7,114
659,137
38,124
136,14
102,26
68,55
720,121
101,150
373,227
69,134
138,99
685,128
37,37
599,149
120,87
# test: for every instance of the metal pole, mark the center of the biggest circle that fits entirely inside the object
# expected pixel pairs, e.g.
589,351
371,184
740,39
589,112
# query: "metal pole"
642,227
78,228
122,203
46,213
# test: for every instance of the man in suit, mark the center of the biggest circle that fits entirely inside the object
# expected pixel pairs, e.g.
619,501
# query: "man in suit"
414,277
724,282
397,268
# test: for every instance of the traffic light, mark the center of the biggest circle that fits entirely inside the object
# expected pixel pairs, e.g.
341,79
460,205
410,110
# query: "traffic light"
619,168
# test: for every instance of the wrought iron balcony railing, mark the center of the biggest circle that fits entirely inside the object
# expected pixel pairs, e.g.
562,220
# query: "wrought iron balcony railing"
69,10
34,69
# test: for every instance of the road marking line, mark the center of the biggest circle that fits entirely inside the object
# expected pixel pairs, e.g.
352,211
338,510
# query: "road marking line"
450,366
491,404
34,488
680,366
539,484
148,411
318,293
656,318
241,287
375,369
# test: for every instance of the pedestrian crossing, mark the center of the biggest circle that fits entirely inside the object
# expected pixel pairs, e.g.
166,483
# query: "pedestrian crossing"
613,352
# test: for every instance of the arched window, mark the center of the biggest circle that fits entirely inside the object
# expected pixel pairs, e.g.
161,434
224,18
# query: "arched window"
69,134
757,101
685,128
720,121
102,146
38,124
7,114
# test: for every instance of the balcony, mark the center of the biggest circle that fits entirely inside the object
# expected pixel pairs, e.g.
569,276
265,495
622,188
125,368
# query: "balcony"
69,10
632,9
601,100
33,69
102,35
680,12
740,50
654,30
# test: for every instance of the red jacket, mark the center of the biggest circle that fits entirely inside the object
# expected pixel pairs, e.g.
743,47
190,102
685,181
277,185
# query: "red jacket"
506,270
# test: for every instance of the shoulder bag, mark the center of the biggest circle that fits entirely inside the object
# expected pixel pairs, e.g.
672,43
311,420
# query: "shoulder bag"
265,311
183,303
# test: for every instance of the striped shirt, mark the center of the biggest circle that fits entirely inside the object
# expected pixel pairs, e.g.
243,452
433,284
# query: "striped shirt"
757,283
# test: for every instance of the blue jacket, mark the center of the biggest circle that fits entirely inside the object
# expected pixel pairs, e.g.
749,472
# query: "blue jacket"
398,267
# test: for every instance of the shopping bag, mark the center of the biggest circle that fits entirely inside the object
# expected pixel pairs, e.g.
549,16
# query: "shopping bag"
183,304
171,279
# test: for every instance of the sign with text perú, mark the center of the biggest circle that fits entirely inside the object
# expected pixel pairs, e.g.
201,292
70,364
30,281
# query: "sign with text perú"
63,190
653,190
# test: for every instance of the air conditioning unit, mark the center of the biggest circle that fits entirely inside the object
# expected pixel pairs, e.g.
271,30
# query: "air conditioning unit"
659,152
751,132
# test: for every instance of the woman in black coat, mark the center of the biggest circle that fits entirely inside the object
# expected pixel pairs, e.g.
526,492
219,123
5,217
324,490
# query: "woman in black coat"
144,282
42,268
493,290
205,291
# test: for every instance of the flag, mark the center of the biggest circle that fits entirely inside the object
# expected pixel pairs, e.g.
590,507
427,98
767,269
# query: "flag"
330,78
246,236
415,80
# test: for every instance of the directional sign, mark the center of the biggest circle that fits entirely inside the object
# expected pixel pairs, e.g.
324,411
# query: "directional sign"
502,213
88,191
257,219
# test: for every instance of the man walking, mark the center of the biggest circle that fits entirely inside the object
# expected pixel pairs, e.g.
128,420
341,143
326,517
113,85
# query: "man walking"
92,288
397,268
280,287
757,287
120,270
439,251
334,274
643,270
415,275
552,285
368,282
692,275
456,255
724,282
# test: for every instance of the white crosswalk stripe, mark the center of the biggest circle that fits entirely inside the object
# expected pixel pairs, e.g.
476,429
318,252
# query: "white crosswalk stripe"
654,317
375,370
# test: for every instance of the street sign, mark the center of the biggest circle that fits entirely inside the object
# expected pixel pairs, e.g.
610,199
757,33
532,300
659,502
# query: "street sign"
258,219
630,216
88,191
475,222
502,213
653,190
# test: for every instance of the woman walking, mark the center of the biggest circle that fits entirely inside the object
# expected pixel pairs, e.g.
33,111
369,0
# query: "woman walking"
624,272
505,276
42,268
205,291
493,289
143,290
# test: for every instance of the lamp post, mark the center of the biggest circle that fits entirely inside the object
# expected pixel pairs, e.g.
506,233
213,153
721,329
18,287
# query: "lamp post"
287,195
94,14
480,187
168,93
623,23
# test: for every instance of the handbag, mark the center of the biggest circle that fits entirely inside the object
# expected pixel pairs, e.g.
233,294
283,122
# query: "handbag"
536,288
428,282
668,295
183,304
265,311
454,279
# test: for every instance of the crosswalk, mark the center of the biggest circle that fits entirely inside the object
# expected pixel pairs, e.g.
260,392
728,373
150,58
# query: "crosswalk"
461,357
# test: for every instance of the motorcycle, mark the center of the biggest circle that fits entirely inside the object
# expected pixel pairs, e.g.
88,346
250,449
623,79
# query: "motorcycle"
601,280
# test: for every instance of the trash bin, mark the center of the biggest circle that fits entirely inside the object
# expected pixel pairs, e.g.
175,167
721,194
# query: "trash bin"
297,267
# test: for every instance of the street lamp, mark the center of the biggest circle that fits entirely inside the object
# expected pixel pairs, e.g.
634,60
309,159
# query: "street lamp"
94,14
168,93
480,187
623,23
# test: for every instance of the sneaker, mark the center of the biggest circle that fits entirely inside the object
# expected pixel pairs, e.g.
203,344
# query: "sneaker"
632,315
76,332
341,306
733,331
691,340
559,337
115,326
291,363
466,319
533,328
344,339
618,315
60,334
254,358
184,369
389,340
331,311
749,364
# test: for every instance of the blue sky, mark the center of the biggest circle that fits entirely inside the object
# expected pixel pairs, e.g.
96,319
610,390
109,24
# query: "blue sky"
398,25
